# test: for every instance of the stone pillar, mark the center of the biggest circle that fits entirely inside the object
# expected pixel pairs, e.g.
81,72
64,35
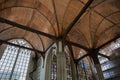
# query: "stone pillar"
74,70
61,62
94,56
98,68
93,70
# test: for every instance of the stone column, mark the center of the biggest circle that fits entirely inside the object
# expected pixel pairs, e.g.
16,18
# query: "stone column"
98,68
94,56
93,70
74,70
61,62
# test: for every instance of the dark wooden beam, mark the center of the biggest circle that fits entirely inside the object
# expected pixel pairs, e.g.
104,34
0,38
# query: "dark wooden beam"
71,51
77,18
76,45
12,44
108,42
14,24
82,57
49,46
93,53
104,56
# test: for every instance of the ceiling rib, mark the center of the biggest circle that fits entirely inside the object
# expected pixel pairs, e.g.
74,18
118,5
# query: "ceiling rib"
82,57
104,55
14,24
89,54
53,3
5,29
49,46
118,36
71,51
77,18
76,44
41,42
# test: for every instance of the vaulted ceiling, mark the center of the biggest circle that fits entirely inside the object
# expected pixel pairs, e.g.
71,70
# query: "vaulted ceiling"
96,26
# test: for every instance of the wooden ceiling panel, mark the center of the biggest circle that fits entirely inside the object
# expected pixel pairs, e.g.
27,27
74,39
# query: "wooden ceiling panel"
99,24
7,4
60,7
105,37
83,27
48,4
46,42
18,14
107,7
39,22
34,40
26,3
96,3
12,33
105,25
115,17
78,52
4,27
71,12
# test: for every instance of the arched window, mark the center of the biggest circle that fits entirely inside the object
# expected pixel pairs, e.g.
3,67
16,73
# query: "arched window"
14,62
68,64
68,68
54,68
84,69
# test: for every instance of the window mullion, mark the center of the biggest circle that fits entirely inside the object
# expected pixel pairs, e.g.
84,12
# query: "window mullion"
15,63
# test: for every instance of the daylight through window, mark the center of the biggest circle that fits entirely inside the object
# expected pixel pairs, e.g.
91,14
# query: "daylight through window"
14,62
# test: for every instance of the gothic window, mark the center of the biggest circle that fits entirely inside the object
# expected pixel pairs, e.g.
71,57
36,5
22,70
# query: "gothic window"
14,62
54,68
84,70
68,68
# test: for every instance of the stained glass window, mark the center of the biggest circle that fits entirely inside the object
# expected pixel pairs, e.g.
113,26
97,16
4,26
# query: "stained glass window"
69,73
84,70
68,68
53,68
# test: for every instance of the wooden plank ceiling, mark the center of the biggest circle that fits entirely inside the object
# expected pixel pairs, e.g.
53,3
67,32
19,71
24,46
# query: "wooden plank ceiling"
99,24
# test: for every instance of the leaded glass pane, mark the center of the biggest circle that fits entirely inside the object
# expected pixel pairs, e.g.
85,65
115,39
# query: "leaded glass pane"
14,62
